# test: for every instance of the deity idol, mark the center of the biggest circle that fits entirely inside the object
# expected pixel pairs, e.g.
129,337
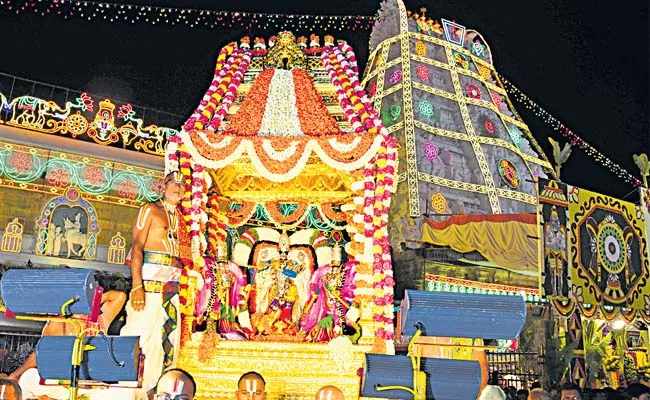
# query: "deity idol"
223,296
278,295
332,292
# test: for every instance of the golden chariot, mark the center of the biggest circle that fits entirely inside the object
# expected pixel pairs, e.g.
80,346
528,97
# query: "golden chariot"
289,173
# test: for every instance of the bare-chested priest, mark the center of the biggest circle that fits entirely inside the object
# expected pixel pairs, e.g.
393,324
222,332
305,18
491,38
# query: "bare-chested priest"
155,269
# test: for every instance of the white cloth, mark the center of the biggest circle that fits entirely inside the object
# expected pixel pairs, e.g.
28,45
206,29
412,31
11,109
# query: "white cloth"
148,324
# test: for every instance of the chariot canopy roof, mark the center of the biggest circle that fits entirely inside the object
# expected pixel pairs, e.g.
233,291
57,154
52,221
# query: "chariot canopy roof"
279,125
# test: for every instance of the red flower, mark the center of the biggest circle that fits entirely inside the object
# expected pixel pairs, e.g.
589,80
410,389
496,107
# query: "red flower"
94,175
489,126
58,177
473,91
128,190
21,162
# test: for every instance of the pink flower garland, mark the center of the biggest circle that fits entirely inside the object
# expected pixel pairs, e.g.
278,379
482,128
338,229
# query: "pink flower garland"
219,73
379,179
232,63
241,65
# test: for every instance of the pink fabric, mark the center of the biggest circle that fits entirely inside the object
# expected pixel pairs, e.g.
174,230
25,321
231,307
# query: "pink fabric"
203,297
319,308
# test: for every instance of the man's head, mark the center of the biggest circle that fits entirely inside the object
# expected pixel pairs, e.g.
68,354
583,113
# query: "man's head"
9,390
175,384
173,188
638,391
329,392
539,394
251,386
570,391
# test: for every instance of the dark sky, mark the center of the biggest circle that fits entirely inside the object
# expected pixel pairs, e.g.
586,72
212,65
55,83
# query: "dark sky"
584,61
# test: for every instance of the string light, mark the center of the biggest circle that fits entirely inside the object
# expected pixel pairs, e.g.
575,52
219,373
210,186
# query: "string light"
192,18
573,138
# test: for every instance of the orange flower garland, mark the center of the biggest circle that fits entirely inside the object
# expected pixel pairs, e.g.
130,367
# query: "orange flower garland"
315,120
249,118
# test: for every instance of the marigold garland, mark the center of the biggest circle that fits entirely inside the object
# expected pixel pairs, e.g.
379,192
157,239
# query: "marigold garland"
249,115
315,120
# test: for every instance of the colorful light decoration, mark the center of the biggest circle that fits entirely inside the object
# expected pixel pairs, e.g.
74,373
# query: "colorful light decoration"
112,12
574,139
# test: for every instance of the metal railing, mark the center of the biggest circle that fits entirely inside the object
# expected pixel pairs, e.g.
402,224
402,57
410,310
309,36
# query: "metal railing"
518,369
15,347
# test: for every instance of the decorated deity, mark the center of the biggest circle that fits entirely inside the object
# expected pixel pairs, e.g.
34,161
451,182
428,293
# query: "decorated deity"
223,296
302,42
555,250
259,44
332,291
329,40
245,43
314,41
278,299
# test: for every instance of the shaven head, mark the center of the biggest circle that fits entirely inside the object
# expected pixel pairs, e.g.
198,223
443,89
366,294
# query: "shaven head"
539,394
9,390
329,392
177,384
173,188
251,386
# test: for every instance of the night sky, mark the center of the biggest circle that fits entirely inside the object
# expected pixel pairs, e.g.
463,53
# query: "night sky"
584,61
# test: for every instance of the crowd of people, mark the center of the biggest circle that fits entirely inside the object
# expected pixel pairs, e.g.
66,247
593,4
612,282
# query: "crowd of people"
178,384
569,391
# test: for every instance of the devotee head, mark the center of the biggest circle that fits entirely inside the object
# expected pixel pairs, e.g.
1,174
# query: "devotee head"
329,392
175,384
492,392
638,391
173,188
539,394
251,385
9,390
570,391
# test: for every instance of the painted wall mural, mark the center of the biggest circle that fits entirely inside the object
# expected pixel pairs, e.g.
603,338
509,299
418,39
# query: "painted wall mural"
607,255
67,227
81,119
553,213
48,171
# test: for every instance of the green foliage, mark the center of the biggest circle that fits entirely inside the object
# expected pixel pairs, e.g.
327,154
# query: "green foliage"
559,156
557,359
641,161
629,369
596,344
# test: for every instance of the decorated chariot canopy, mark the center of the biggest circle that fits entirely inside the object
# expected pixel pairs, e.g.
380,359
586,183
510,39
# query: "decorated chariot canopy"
286,154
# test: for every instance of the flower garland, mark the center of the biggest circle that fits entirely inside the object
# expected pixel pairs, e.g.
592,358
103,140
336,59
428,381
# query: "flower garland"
249,116
314,118
198,119
232,63
216,225
239,68
379,184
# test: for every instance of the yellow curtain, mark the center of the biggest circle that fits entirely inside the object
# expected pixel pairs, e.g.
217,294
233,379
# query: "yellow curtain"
507,240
